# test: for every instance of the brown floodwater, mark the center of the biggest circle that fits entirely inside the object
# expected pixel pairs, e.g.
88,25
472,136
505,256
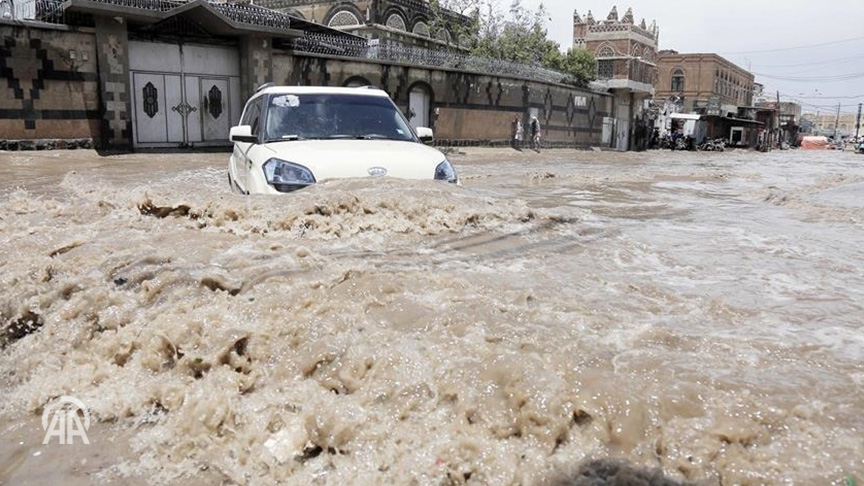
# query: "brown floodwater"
697,313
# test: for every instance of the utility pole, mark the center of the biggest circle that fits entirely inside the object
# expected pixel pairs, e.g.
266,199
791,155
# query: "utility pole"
779,130
837,122
858,123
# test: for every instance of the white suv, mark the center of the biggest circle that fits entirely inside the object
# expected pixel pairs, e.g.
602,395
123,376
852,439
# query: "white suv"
292,137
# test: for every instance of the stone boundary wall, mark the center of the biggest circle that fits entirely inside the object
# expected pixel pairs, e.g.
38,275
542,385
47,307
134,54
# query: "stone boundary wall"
68,87
49,86
466,108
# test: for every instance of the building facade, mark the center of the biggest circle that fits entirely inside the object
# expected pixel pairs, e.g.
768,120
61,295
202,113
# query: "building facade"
407,22
160,75
704,83
826,124
626,54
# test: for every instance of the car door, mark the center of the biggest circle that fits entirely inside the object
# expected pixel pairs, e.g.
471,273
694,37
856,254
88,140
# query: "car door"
241,162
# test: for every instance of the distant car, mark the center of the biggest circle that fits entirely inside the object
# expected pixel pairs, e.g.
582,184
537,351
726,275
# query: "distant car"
292,137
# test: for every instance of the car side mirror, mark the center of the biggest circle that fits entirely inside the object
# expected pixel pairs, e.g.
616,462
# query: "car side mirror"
242,134
425,134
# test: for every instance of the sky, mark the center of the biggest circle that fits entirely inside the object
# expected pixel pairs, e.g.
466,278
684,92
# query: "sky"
732,28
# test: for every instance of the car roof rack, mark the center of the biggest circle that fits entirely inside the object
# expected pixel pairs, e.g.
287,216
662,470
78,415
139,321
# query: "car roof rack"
265,86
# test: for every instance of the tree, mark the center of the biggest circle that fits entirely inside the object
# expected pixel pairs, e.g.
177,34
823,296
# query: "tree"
519,35
577,63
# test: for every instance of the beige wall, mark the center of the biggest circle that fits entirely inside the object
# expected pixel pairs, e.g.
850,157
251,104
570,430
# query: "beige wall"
470,107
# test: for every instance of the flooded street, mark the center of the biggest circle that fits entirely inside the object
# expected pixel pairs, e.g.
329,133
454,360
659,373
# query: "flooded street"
699,313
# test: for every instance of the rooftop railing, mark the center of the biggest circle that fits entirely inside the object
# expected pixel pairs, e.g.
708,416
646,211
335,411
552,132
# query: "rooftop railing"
51,11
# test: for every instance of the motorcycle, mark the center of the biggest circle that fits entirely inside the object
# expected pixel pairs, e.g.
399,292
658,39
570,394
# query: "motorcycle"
716,145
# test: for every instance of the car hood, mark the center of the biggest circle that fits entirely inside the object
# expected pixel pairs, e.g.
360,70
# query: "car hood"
336,159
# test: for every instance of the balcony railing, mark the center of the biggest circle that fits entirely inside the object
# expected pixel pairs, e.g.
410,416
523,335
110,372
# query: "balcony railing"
435,58
626,68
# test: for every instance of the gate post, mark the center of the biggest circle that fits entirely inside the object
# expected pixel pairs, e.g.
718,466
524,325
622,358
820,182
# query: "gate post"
112,54
256,64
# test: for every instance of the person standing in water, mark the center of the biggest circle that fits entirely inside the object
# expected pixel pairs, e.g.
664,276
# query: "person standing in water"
518,133
535,134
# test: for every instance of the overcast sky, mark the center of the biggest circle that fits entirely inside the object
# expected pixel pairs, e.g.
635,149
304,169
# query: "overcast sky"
734,26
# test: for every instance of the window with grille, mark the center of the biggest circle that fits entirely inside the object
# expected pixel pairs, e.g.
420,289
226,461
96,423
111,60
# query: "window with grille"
443,35
605,51
395,21
605,69
420,28
344,19
677,81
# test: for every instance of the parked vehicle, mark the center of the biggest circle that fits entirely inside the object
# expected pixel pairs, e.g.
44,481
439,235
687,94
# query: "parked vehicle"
716,145
292,137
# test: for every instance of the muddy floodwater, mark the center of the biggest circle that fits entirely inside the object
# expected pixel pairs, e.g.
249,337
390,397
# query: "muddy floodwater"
697,313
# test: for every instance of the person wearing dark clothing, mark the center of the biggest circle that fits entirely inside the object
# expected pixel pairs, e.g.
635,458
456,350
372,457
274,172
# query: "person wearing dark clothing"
535,133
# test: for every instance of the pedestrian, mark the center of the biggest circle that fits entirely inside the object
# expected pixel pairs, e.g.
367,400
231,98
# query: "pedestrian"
518,133
535,134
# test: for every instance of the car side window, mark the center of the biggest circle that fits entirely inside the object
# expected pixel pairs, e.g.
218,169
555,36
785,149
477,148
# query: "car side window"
252,116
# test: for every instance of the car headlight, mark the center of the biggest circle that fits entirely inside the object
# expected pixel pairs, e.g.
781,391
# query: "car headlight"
287,176
446,172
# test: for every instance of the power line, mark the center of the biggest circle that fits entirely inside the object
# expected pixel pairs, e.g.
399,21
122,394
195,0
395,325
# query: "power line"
796,47
831,97
807,64
820,107
824,79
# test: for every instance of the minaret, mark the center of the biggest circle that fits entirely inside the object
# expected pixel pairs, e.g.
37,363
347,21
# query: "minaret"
628,17
613,15
590,19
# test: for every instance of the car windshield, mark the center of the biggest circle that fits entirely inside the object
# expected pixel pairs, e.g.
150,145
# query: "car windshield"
334,117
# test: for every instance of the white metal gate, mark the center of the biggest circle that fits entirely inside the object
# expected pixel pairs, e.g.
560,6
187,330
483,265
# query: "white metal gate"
184,95
418,107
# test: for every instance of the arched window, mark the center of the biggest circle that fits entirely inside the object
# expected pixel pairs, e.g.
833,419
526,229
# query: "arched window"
343,18
395,21
637,52
443,35
420,28
605,51
678,80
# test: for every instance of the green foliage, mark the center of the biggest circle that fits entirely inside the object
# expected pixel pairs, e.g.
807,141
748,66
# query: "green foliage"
579,64
519,35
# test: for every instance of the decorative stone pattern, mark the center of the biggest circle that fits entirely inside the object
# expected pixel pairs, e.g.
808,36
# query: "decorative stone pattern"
420,28
395,21
256,66
344,19
112,49
44,93
378,19
632,46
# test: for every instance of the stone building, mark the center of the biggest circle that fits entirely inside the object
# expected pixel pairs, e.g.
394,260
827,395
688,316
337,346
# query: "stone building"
720,92
168,74
409,22
626,55
826,123
704,83
788,119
